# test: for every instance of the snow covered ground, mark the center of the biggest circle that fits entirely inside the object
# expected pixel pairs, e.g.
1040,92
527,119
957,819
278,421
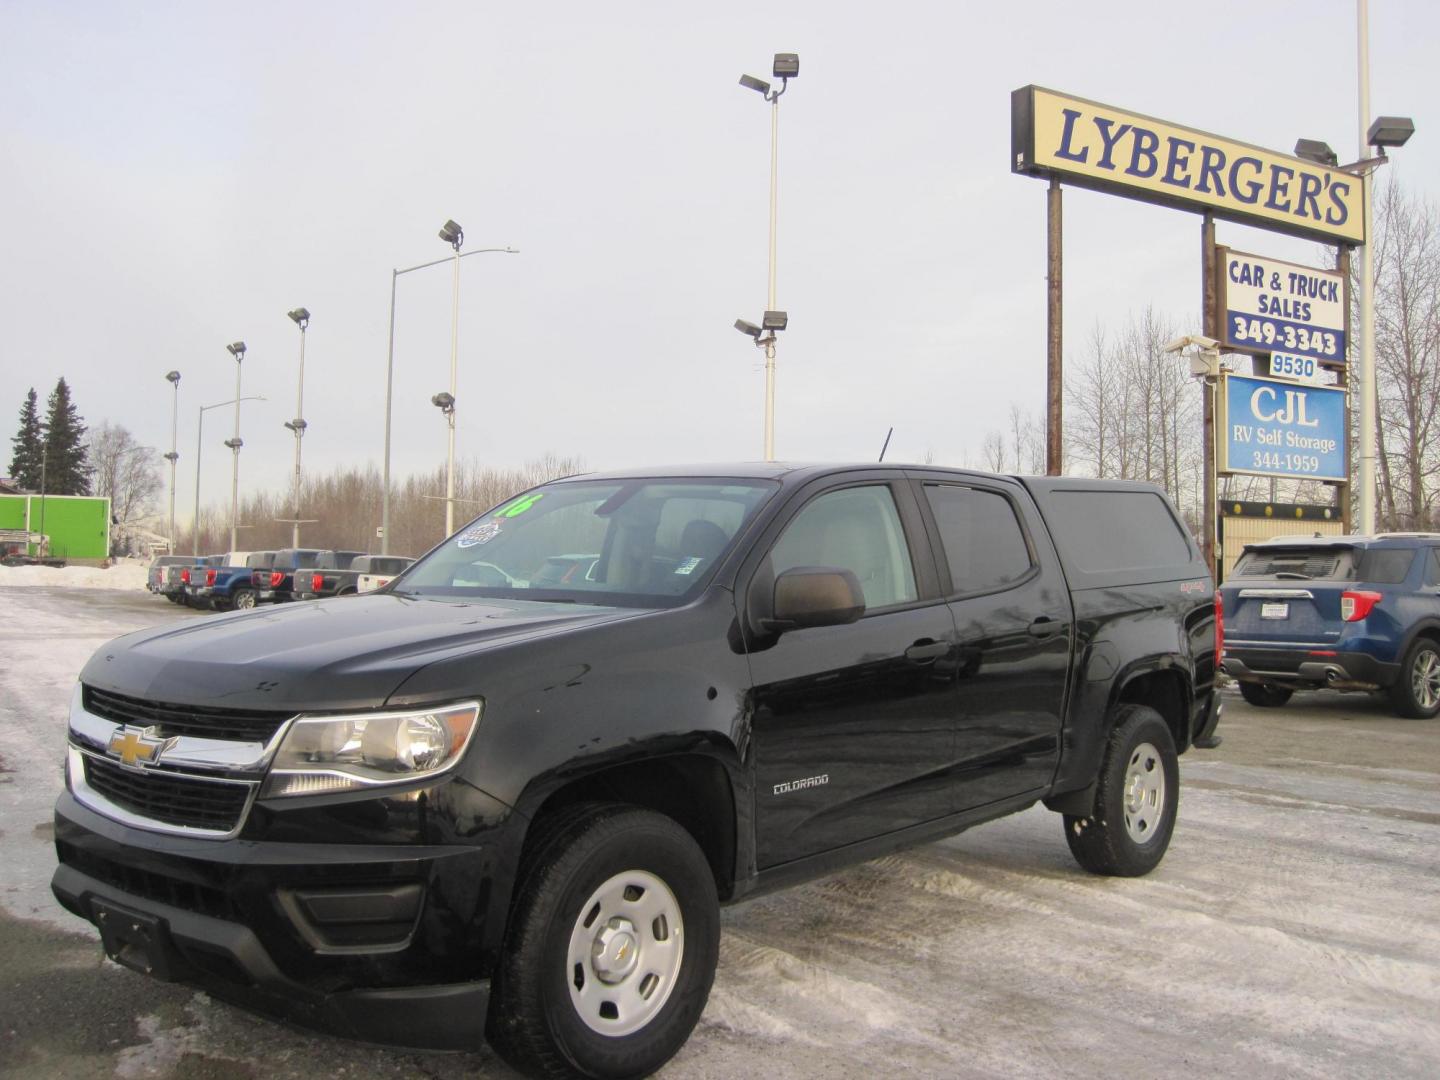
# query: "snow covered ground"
1291,931
124,574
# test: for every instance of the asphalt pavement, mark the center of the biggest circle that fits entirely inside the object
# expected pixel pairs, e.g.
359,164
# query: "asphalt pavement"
1290,931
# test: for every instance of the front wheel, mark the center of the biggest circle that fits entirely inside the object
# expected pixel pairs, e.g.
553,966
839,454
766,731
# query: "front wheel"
1136,798
1416,692
611,949
244,599
1265,695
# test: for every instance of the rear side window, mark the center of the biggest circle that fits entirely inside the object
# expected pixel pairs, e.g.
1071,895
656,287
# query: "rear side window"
1317,563
1106,531
984,544
1386,566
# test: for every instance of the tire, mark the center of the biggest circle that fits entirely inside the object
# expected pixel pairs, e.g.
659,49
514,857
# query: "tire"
1136,798
594,879
1416,690
1265,695
244,599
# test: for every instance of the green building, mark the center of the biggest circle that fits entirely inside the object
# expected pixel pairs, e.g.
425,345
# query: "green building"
78,525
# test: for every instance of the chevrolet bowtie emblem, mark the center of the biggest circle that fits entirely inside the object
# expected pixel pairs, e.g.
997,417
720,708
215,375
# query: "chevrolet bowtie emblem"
138,746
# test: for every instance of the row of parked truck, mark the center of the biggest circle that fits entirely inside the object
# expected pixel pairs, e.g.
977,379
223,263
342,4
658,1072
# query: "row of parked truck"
242,579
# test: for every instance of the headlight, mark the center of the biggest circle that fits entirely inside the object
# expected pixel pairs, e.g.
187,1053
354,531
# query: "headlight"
324,754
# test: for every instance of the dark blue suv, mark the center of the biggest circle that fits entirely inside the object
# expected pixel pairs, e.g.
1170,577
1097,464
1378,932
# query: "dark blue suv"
1338,613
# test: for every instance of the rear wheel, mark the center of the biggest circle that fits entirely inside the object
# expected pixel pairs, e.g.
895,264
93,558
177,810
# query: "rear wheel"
1416,692
1136,798
611,947
1266,695
244,599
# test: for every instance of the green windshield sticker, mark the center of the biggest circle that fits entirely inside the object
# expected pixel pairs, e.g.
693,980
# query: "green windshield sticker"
518,507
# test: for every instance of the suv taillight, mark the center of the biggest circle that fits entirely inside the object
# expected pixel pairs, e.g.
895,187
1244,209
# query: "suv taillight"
276,577
1219,627
1355,604
317,582
210,577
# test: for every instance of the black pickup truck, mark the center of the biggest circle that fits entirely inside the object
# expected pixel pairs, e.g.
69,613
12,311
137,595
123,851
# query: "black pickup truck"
504,796
337,573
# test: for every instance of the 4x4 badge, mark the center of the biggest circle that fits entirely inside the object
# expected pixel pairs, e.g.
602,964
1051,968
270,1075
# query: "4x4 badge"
138,747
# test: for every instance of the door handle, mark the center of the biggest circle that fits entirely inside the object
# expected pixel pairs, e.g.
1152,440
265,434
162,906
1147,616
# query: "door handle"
1043,627
927,650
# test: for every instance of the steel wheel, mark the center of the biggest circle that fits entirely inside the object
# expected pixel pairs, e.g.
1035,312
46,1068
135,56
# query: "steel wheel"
625,953
1144,794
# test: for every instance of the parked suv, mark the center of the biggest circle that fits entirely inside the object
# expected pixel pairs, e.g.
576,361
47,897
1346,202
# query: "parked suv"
1337,613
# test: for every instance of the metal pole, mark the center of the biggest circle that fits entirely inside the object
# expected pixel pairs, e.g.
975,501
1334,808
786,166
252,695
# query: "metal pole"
195,528
174,459
389,386
1342,380
43,549
299,434
1055,374
454,365
1210,320
770,295
1368,403
235,467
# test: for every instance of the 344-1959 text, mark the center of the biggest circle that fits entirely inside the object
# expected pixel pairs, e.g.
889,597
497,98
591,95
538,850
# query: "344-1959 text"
1292,463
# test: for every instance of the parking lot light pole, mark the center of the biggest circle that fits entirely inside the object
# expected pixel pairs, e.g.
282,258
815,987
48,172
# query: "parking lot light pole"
453,235
390,382
237,350
173,456
786,66
199,445
301,317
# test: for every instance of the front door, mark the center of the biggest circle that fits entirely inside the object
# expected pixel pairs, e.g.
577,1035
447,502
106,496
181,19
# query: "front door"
853,725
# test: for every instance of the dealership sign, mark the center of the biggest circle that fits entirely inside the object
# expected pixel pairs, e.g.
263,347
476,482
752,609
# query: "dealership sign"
1274,428
1093,145
1278,307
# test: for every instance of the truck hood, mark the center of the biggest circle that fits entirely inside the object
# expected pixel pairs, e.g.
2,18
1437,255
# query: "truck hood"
349,652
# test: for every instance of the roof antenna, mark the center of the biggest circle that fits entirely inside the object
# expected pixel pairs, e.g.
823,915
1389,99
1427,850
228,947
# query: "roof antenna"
887,442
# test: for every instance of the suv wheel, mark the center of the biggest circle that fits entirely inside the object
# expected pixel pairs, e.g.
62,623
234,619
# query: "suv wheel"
1416,692
244,599
1266,695
1135,799
611,947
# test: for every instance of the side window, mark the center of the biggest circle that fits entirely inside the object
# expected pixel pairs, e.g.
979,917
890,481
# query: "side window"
857,529
1432,567
984,544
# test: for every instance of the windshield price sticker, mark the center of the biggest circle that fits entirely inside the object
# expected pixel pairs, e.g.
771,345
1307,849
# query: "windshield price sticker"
1273,306
1274,428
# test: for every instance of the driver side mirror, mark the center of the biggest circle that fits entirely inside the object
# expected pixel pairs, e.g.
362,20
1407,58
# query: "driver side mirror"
806,596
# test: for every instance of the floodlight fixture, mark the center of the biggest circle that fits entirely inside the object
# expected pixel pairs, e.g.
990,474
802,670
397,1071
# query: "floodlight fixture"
760,86
236,349
452,234
748,328
173,376
235,443
787,65
297,425
1390,131
444,401
1317,151
301,317
775,320
171,457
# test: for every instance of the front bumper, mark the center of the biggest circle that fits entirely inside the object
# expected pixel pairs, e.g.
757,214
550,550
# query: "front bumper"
374,942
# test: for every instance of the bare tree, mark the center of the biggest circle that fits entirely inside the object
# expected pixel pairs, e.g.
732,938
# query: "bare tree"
125,472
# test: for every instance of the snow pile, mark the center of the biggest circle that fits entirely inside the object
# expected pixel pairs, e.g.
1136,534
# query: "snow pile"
123,575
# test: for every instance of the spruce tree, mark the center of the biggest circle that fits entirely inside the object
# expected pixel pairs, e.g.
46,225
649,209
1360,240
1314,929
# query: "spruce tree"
25,461
67,472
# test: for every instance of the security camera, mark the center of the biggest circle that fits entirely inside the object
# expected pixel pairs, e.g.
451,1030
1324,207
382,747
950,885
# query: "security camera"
1197,340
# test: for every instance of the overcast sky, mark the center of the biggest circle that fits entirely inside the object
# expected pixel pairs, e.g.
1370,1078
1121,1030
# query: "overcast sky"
176,176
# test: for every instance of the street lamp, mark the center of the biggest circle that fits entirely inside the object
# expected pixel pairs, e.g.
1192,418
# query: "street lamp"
301,317
445,402
453,235
237,350
199,445
173,456
390,375
786,66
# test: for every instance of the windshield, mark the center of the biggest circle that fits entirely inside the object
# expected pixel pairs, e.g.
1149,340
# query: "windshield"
621,542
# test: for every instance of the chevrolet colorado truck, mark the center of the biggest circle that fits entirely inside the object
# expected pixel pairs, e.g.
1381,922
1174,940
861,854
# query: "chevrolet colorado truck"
504,796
